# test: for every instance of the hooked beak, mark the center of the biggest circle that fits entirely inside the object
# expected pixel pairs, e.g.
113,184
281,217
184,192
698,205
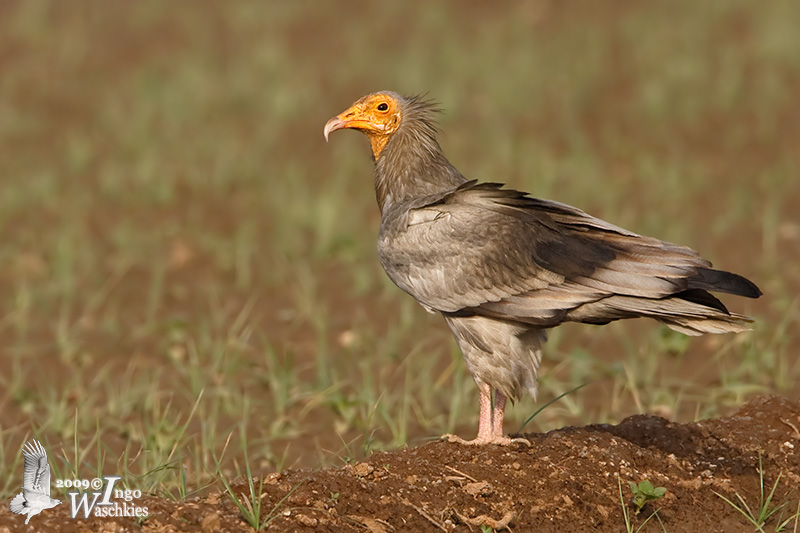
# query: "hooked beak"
332,125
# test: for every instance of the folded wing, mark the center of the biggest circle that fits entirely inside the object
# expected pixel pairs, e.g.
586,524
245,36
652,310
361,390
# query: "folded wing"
496,252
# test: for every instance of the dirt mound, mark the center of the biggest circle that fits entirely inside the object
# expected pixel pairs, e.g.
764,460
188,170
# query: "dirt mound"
566,481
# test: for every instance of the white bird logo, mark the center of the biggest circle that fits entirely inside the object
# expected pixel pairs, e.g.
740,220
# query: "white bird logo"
35,495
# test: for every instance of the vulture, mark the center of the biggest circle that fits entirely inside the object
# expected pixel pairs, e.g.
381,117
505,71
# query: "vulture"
503,267
35,495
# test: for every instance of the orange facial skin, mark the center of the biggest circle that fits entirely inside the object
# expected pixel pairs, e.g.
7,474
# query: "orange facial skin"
376,115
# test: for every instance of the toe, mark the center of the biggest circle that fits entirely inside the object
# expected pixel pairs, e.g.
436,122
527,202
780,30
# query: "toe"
500,440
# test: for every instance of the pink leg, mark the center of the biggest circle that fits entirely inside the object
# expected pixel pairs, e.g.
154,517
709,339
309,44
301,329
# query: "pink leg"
498,413
490,423
485,431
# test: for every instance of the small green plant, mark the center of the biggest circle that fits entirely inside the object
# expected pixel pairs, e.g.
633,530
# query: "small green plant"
645,492
486,529
759,516
638,489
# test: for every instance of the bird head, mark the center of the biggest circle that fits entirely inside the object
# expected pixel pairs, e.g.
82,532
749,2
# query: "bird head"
377,115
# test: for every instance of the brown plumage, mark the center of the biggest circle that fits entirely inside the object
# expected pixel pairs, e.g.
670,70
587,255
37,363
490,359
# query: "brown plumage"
502,267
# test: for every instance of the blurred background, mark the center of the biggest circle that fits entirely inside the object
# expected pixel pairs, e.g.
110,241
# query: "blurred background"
188,275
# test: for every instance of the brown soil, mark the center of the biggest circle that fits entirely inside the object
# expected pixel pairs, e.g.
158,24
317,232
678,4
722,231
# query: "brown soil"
566,481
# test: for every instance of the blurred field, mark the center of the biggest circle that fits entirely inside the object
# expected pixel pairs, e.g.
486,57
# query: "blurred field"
185,261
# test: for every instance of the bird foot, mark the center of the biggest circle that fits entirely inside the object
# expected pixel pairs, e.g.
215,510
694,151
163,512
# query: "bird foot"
500,440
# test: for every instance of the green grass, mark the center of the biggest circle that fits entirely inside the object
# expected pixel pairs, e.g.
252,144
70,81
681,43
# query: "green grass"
249,504
185,259
760,512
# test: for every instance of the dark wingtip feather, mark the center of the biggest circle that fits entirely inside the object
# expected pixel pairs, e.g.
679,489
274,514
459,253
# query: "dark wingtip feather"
721,281
701,297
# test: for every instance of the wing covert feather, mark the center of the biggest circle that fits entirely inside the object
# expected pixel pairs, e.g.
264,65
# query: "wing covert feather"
498,251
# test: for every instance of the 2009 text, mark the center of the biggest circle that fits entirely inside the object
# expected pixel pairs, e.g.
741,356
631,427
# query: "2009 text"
84,484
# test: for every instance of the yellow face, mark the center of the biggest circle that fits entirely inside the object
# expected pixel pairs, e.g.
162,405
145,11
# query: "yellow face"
376,115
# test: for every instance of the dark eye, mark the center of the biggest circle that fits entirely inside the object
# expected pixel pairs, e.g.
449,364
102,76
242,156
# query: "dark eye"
383,106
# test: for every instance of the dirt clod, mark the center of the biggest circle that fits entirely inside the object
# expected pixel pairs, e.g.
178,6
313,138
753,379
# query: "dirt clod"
487,521
363,469
307,520
480,488
210,523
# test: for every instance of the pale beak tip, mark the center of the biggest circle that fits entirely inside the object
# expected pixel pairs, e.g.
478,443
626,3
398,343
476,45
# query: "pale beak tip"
332,125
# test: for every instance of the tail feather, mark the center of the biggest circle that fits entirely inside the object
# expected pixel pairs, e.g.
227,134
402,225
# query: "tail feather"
17,505
694,313
691,326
